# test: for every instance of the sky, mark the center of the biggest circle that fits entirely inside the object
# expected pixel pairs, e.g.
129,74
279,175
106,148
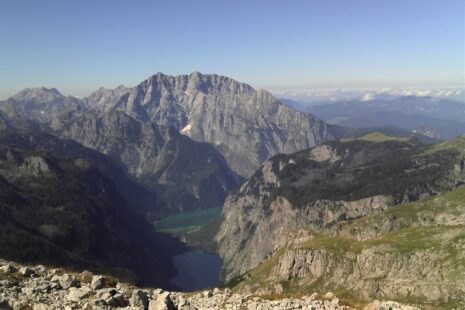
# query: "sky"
79,46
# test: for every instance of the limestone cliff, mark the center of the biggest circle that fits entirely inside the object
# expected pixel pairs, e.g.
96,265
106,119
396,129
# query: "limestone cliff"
319,187
415,253
186,174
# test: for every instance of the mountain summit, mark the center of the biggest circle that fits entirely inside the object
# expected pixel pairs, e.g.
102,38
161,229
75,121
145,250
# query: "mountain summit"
39,94
246,125
40,104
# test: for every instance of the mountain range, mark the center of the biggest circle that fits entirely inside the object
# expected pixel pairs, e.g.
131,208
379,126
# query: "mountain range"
167,145
306,204
189,130
444,118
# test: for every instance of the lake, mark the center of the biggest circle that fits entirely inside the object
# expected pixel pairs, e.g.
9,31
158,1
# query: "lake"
181,223
197,270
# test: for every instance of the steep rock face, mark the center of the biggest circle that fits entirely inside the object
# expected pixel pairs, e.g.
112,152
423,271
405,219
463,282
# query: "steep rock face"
409,253
4,124
245,125
319,187
186,173
105,96
374,273
249,235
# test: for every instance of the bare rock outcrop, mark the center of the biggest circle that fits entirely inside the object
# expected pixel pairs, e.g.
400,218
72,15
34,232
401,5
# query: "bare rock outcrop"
42,290
247,126
316,189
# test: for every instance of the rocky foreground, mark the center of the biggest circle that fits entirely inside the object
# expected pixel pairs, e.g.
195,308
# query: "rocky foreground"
41,288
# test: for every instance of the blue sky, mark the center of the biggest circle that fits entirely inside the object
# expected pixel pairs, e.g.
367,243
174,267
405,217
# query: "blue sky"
78,46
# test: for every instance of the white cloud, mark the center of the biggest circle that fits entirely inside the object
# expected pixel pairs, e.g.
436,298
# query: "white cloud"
423,92
368,97
448,92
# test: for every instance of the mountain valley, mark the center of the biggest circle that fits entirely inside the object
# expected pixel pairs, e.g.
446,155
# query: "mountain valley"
370,213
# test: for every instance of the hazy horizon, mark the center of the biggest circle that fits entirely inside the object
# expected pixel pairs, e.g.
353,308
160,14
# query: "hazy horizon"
314,93
270,45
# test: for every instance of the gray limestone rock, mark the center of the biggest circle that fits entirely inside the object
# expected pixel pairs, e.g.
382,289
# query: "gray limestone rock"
162,302
98,282
77,294
247,126
139,299
8,268
110,298
184,173
26,271
325,185
66,281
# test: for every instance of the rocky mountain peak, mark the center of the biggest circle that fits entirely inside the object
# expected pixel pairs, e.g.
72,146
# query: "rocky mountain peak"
103,95
39,104
245,125
38,94
197,82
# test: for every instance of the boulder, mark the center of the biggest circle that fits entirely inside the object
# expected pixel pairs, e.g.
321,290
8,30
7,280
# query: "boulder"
98,302
9,268
329,296
122,286
110,291
98,282
28,291
184,304
55,286
118,300
27,271
77,294
43,288
139,299
66,281
40,306
158,291
86,274
162,302
207,294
